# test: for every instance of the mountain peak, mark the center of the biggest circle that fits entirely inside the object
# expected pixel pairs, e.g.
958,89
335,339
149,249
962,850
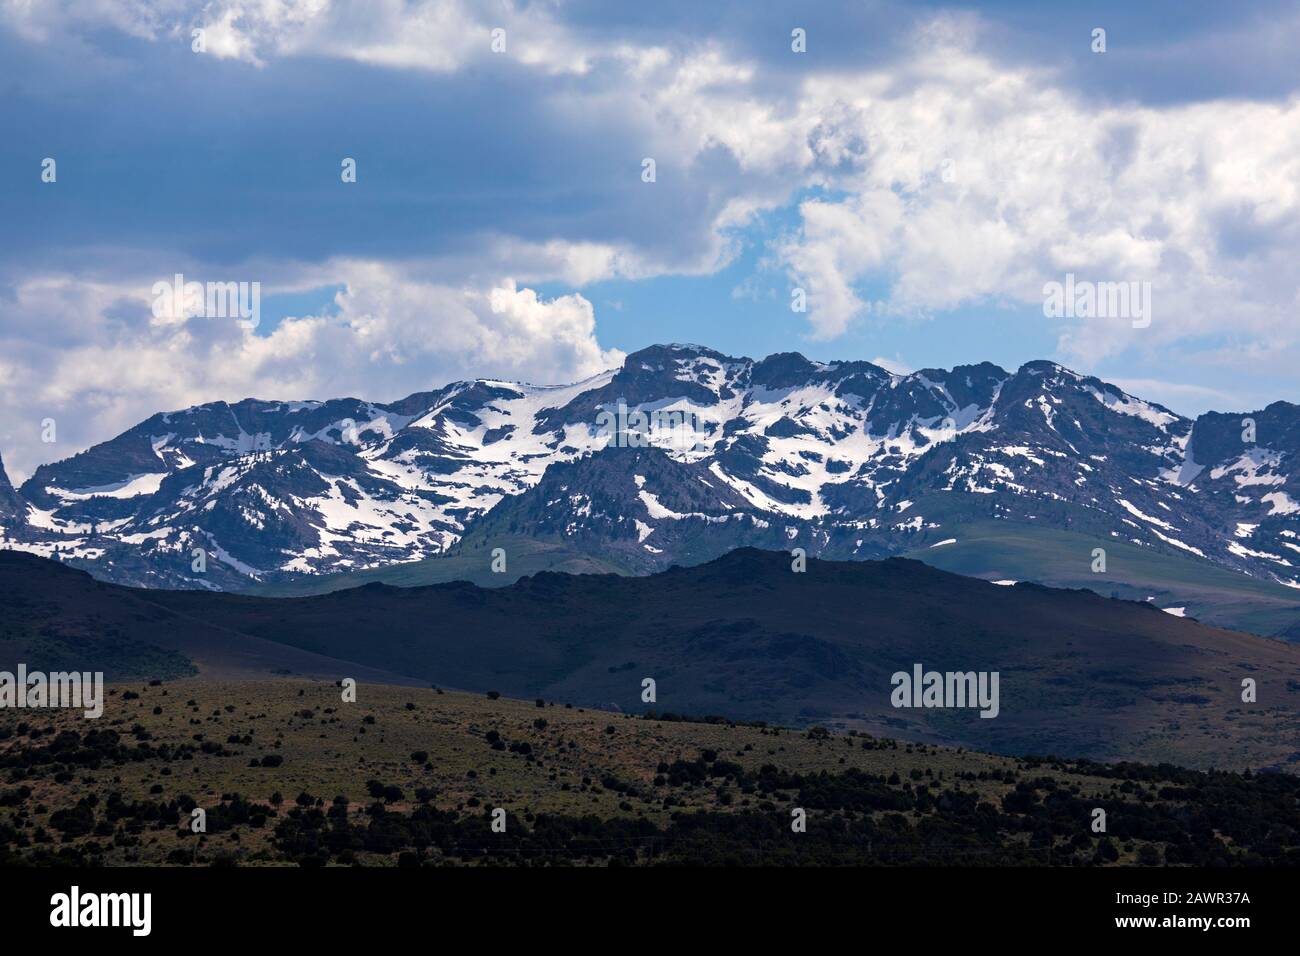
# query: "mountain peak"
784,370
1045,367
11,503
675,351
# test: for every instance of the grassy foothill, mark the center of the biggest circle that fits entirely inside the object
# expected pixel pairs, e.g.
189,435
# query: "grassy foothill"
289,774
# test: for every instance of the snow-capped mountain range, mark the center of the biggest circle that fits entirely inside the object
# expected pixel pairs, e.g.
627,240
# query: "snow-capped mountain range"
679,455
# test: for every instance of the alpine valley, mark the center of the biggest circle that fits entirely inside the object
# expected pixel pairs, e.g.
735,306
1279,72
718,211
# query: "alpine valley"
1008,475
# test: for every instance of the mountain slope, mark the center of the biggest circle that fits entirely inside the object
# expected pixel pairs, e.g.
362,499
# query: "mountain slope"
1006,551
842,458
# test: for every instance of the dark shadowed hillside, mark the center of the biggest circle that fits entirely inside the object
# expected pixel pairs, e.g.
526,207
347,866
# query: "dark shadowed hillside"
744,636
56,618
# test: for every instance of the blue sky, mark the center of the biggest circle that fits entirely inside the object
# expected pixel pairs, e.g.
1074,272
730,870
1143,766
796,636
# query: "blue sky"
921,171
